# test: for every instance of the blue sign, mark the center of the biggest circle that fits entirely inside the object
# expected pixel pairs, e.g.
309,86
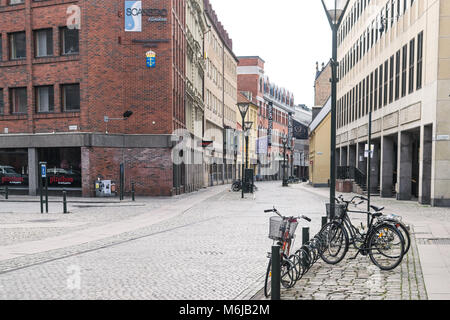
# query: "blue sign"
43,171
133,16
151,59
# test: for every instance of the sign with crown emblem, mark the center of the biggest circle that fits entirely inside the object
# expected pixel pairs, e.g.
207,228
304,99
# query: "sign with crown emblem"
151,59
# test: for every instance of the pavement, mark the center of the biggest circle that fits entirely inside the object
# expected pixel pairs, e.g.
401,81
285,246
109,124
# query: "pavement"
208,245
431,251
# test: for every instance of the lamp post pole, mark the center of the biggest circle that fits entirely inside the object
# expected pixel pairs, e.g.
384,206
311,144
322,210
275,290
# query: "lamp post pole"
335,10
243,164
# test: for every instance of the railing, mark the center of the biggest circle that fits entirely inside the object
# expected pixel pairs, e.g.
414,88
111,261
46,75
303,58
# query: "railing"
351,173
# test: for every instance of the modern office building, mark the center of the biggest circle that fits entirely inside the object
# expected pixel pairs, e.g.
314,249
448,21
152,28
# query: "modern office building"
394,62
69,71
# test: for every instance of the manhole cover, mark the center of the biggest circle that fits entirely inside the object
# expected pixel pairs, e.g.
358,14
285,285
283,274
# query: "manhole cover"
42,221
438,241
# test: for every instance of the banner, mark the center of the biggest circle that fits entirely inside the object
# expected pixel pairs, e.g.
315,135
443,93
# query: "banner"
300,131
133,16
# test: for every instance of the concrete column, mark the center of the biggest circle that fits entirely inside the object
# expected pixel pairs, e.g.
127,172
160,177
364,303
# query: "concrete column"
362,161
352,156
405,167
33,182
338,157
375,168
387,173
344,156
427,149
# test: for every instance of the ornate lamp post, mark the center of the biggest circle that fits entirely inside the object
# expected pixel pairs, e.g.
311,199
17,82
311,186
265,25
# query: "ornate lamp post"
335,11
284,141
243,109
248,127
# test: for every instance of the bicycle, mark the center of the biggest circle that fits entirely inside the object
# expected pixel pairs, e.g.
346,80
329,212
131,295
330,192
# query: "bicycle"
380,239
282,231
392,218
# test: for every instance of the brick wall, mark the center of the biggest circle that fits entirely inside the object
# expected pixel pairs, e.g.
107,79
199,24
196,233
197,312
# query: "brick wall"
150,168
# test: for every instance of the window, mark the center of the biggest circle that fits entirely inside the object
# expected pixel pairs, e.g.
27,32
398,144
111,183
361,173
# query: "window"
43,43
404,67
45,99
18,100
419,60
71,97
69,41
371,93
386,78
375,88
18,48
397,75
16,2
2,105
411,65
391,80
380,88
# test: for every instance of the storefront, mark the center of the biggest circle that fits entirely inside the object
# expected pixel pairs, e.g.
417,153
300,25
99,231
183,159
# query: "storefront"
63,167
14,168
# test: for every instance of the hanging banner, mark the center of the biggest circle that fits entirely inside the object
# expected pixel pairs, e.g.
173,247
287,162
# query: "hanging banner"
151,59
133,16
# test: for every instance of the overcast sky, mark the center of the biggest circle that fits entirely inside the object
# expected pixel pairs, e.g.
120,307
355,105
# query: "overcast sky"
289,35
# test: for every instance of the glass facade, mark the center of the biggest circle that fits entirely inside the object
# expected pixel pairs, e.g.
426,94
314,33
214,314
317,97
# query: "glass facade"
63,166
14,167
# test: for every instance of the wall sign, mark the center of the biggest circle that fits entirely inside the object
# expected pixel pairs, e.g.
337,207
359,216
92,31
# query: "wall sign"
133,20
134,13
151,59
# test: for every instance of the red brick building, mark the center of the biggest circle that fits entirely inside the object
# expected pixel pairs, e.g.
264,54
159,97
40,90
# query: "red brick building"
69,71
276,106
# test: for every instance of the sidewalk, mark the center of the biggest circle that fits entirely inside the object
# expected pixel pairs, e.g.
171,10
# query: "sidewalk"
76,230
431,229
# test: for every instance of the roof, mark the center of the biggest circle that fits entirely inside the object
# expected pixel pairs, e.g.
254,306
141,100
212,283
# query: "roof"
326,109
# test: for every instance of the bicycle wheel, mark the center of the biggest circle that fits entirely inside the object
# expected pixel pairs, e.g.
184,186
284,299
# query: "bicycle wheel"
304,260
336,242
298,266
386,246
267,282
405,233
288,275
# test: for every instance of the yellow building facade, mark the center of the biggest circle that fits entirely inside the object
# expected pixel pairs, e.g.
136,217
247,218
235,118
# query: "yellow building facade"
320,147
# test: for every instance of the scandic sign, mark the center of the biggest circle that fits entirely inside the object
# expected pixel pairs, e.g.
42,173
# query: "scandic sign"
134,13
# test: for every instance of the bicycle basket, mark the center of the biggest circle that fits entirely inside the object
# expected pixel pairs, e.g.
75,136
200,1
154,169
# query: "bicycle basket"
339,210
276,227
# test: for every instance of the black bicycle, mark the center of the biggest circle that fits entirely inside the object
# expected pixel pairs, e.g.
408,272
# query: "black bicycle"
383,242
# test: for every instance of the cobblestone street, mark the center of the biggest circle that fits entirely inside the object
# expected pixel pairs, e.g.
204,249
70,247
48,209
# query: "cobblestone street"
208,245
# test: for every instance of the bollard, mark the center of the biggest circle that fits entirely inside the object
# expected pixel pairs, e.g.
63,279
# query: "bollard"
64,201
6,192
305,235
132,192
324,221
276,273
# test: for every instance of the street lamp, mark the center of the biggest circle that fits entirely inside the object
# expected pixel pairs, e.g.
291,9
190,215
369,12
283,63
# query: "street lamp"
284,141
243,109
335,11
248,127
126,116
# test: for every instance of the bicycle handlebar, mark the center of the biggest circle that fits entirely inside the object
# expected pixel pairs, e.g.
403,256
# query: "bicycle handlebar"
276,211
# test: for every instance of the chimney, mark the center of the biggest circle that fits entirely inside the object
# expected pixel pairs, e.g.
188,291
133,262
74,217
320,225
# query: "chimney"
315,112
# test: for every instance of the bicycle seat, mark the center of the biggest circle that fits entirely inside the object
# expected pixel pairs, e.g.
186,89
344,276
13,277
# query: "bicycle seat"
377,209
